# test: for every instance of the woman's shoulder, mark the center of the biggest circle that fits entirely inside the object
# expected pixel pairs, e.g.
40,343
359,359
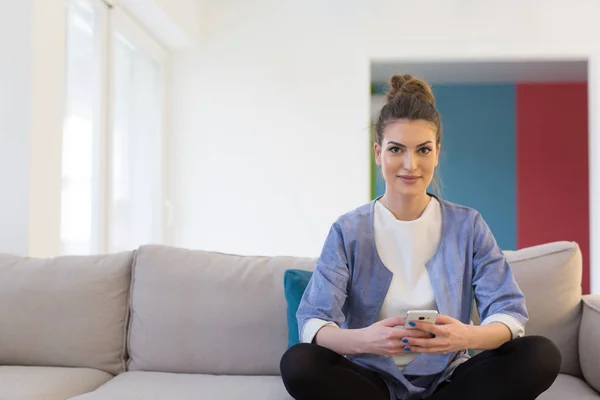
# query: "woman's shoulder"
356,219
460,218
362,212
457,210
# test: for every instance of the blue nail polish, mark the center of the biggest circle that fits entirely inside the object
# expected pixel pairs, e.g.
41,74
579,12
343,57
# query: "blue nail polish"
412,323
407,349
404,340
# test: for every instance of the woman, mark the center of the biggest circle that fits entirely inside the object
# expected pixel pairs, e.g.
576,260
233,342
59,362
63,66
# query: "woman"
411,250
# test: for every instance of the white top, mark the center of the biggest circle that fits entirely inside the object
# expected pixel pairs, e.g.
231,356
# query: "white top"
405,247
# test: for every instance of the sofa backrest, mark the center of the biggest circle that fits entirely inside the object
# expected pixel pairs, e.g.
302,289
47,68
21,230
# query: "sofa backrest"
212,313
550,277
65,312
204,312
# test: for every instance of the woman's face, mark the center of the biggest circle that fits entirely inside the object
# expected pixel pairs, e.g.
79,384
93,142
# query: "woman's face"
408,156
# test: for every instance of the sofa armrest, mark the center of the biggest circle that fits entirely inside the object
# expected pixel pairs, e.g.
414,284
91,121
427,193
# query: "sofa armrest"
589,340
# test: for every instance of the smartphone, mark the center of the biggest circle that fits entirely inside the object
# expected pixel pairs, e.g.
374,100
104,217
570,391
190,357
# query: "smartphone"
427,316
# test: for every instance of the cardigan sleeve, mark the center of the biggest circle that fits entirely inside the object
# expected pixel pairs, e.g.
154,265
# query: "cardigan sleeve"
327,291
497,295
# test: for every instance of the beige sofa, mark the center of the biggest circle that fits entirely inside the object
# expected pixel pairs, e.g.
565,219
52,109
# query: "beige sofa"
167,323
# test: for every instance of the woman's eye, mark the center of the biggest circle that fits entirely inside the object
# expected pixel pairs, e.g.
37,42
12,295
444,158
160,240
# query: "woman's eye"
394,149
425,150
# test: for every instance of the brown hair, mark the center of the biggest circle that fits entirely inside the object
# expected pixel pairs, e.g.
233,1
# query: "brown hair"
410,98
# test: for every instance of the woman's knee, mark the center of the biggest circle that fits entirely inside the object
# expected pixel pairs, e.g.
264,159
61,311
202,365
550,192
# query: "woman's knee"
539,355
299,363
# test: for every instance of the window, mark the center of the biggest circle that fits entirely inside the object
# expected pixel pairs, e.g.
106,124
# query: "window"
113,139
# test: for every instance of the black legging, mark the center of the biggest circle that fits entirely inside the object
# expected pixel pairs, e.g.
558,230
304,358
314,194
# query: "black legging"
520,369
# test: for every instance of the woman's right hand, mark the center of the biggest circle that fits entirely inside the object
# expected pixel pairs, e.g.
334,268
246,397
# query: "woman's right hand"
385,337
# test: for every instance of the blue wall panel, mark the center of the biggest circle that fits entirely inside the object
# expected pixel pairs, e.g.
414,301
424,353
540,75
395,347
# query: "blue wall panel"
478,156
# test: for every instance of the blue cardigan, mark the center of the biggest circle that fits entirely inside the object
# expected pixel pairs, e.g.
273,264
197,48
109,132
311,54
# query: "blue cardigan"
350,283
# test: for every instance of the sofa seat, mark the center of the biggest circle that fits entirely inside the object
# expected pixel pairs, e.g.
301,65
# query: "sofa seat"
48,383
569,387
168,386
164,386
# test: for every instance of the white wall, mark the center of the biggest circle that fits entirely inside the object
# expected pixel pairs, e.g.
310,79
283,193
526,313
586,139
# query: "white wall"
185,14
47,109
269,140
15,123
31,112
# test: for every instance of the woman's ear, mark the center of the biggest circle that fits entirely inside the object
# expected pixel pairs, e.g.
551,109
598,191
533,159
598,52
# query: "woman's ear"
377,151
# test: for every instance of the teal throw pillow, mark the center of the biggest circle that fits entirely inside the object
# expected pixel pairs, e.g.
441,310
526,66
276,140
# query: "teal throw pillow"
294,282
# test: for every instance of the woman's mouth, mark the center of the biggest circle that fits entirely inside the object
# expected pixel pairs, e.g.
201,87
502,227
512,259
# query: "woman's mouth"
409,178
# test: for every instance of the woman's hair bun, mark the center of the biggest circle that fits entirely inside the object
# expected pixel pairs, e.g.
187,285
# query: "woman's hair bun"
406,85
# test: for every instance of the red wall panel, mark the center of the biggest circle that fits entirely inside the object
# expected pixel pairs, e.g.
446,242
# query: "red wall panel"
552,166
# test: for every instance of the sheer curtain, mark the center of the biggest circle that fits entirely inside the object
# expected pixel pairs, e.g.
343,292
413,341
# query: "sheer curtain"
81,149
136,200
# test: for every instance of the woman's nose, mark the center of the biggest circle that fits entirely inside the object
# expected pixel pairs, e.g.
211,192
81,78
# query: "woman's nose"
409,163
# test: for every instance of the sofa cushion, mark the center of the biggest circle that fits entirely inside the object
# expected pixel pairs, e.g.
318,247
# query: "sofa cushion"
589,345
295,282
166,386
569,387
200,312
550,277
66,312
48,383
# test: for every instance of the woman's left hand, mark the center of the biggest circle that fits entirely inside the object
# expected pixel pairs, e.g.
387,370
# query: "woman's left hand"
451,336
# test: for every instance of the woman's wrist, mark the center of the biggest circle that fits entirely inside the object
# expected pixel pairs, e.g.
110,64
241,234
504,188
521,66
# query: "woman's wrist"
488,337
343,341
361,342
473,338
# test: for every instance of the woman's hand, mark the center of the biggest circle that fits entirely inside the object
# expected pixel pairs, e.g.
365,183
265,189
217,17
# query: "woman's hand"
385,339
451,336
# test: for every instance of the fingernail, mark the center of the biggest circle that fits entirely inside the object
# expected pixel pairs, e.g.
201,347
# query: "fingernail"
404,340
432,335
412,323
407,349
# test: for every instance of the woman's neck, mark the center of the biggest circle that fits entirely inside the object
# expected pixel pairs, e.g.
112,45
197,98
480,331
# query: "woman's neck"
405,208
